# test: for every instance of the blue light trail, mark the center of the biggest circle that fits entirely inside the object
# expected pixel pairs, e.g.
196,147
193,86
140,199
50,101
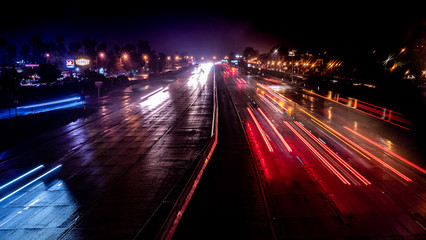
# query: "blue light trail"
50,103
22,176
41,107
28,184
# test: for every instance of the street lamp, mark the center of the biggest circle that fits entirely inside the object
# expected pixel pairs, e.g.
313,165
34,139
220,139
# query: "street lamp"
47,55
292,54
101,56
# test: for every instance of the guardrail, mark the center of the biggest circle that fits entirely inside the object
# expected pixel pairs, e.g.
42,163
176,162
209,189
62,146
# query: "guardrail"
387,115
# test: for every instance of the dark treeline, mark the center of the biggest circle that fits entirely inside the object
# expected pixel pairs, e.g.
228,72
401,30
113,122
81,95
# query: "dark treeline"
50,57
116,59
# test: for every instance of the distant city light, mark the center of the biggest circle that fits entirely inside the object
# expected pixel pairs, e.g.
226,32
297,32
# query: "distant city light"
390,58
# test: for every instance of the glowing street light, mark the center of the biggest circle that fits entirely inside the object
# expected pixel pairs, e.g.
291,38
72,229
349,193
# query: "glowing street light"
390,57
47,55
101,55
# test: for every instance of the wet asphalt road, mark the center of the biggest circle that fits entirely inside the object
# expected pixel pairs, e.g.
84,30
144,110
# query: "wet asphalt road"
105,174
329,182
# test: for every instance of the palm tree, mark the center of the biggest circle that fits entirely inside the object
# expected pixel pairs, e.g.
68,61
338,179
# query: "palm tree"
36,45
11,53
25,53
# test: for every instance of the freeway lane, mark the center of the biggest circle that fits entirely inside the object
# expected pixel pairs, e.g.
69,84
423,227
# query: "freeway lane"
320,178
406,143
103,176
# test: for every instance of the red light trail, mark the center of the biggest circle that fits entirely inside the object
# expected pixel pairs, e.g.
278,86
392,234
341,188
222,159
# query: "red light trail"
386,150
319,156
367,153
268,144
275,130
337,157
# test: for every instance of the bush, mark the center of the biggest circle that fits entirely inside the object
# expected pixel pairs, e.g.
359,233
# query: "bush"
123,80
48,73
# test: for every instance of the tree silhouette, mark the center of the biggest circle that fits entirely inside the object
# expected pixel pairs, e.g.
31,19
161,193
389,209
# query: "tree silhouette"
74,49
11,53
48,73
25,52
36,48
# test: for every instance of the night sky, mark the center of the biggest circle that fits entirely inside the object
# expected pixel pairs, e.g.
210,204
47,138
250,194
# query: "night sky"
215,27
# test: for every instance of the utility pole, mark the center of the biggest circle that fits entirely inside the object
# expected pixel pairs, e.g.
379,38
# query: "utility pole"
292,54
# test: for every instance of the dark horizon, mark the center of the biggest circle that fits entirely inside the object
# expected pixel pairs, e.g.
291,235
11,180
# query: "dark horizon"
216,29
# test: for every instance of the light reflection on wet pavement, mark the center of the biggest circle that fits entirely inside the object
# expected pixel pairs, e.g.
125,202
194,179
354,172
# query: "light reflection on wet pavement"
118,164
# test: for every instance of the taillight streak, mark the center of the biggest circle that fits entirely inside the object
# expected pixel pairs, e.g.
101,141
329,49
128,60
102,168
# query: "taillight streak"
367,153
275,130
386,150
319,156
268,144
337,157
257,150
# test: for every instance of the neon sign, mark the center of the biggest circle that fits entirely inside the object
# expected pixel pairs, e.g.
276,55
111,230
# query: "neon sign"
82,62
70,63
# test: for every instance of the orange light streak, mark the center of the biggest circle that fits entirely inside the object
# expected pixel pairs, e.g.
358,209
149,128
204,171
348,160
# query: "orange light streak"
387,150
269,103
337,157
275,130
268,144
319,156
286,98
273,99
282,97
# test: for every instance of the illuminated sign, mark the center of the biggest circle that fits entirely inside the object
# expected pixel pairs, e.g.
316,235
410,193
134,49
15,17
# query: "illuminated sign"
31,65
70,63
82,62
